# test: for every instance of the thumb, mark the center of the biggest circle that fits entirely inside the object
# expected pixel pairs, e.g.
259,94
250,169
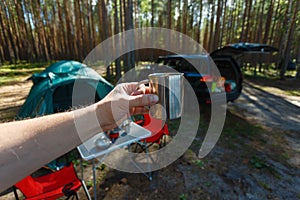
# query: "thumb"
143,100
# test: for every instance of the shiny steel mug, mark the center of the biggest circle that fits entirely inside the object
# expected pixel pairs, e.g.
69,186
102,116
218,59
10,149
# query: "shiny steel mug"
169,88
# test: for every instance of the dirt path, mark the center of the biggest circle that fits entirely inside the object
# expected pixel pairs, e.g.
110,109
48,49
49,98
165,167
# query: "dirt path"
276,111
271,110
12,98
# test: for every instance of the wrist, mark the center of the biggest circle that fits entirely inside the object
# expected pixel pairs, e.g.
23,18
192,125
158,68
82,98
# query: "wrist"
86,122
104,115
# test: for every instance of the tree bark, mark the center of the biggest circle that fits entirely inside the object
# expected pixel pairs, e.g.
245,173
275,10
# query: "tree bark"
287,52
46,35
117,42
211,30
298,59
224,22
249,24
243,32
198,34
152,13
260,31
8,26
6,43
205,39
70,40
53,32
22,30
130,42
274,25
78,26
216,42
268,22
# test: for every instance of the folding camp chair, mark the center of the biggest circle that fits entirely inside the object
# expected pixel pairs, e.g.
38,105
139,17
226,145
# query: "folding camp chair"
63,182
100,146
158,129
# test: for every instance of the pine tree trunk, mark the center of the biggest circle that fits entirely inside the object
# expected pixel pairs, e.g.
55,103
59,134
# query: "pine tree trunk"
224,22
35,54
53,31
260,25
5,38
47,37
84,30
8,27
216,42
117,42
129,26
249,21
23,30
298,58
169,14
243,32
205,38
78,32
287,52
152,13
198,37
268,22
70,40
211,30
274,25
62,35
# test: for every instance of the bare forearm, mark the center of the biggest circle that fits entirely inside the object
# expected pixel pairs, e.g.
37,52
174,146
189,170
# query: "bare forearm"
27,145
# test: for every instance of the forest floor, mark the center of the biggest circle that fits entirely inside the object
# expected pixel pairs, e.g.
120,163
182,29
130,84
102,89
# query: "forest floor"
256,157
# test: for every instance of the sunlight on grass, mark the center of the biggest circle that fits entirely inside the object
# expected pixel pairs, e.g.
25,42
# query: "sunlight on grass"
270,73
19,72
272,84
278,91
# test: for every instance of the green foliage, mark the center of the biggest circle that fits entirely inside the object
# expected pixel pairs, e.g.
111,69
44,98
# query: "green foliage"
260,163
182,197
264,185
207,183
200,163
102,167
89,183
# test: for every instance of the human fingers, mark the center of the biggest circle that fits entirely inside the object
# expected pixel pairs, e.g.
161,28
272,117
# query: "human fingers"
140,89
148,90
143,100
139,110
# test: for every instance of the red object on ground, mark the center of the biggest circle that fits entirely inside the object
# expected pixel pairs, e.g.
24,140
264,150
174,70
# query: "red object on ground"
63,182
157,127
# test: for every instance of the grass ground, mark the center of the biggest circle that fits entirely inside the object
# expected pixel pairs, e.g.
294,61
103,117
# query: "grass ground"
15,73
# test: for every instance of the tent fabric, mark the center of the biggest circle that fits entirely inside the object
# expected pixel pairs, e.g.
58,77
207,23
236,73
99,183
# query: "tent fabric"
52,89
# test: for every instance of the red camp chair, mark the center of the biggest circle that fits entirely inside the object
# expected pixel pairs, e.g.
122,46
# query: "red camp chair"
158,130
156,126
63,182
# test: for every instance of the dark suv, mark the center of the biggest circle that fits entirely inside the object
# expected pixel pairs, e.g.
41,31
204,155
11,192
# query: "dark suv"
206,82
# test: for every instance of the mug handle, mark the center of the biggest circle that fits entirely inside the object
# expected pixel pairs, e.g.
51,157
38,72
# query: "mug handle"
141,83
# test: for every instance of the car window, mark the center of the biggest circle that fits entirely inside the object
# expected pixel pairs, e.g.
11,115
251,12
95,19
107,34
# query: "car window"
185,66
190,65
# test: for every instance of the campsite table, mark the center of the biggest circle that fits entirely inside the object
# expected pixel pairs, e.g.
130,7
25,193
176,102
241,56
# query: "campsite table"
89,150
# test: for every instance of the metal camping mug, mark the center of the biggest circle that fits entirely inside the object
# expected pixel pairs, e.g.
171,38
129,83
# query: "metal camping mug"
169,89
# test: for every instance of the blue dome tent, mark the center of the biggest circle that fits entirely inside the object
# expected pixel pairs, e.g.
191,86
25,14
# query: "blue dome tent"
53,88
52,92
